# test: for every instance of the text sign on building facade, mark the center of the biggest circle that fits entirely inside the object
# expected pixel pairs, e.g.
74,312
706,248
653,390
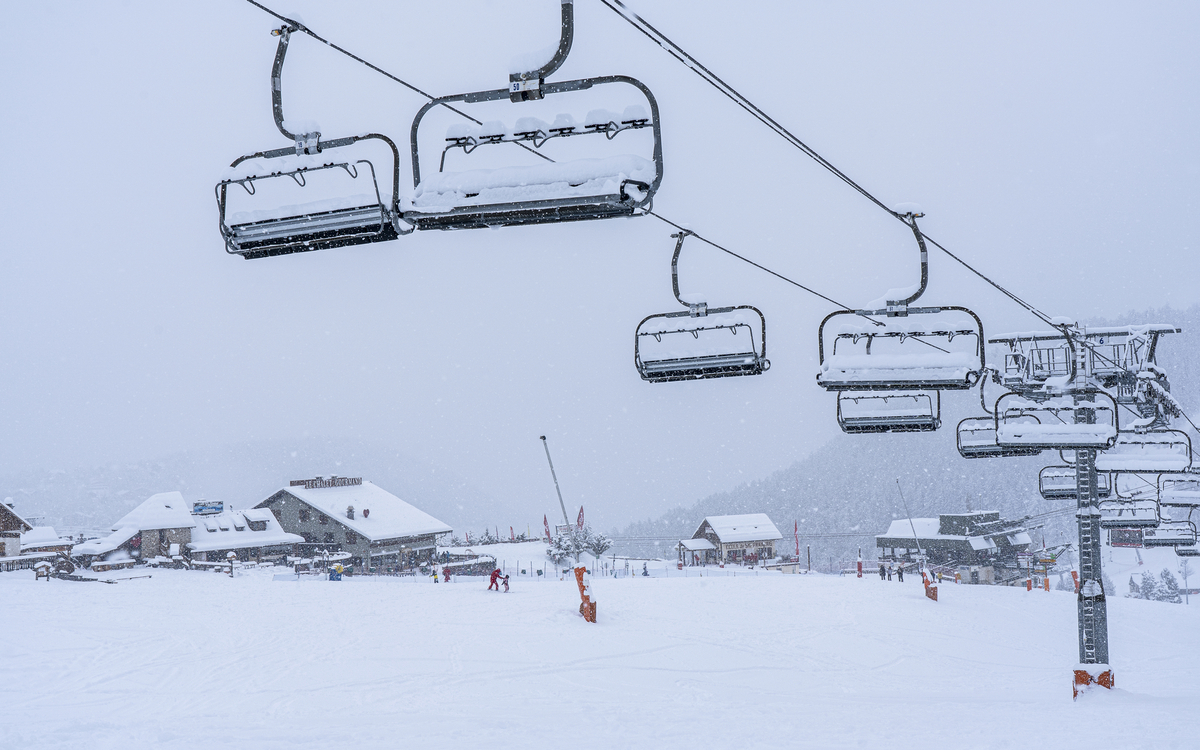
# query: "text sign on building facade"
322,482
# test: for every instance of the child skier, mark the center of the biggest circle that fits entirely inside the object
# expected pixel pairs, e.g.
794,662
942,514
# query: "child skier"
505,585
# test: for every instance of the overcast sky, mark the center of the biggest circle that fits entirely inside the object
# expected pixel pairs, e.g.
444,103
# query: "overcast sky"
1052,145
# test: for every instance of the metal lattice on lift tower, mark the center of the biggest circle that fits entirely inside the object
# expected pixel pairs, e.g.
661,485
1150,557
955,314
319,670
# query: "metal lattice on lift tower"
1067,389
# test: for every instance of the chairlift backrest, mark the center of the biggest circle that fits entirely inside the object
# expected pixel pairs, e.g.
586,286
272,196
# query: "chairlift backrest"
862,412
1170,534
1162,451
1111,354
1129,514
1075,421
1058,482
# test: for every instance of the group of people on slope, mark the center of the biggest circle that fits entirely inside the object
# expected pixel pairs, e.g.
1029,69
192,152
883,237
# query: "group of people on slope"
497,579
887,572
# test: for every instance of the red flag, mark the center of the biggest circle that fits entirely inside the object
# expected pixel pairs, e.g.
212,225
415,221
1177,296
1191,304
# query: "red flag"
796,531
579,521
546,523
511,534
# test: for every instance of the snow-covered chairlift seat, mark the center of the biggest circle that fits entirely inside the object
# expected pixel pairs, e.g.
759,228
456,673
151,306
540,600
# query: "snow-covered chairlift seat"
1058,483
1170,534
349,219
863,413
1050,424
719,344
1156,451
549,192
1179,491
929,348
977,439
1129,514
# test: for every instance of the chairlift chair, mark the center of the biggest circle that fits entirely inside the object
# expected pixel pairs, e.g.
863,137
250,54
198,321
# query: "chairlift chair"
1170,534
345,219
860,412
1058,483
1154,451
1179,491
1188,550
548,192
701,342
912,348
1076,421
1129,514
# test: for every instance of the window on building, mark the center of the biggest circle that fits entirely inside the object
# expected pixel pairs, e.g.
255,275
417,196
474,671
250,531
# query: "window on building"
309,538
329,537
305,515
323,519
257,525
351,537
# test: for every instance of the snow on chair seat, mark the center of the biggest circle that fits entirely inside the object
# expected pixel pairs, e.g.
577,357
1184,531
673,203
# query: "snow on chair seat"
1156,451
529,187
567,191
677,346
1170,534
931,348
977,439
332,217
1052,423
1129,514
860,413
1058,483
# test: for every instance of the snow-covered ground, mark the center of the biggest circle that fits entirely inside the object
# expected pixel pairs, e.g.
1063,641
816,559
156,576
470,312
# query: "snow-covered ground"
188,659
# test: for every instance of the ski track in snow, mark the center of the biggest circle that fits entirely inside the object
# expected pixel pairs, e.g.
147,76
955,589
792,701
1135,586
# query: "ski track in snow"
192,659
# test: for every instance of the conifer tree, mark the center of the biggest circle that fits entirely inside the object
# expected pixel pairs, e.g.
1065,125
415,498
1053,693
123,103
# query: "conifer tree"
1170,588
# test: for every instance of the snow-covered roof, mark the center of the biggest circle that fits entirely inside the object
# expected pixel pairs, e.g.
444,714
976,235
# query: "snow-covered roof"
40,536
697,545
378,514
108,543
6,508
166,510
927,528
232,529
749,527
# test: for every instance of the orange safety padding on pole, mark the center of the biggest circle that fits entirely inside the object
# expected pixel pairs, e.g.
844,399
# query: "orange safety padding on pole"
1084,679
1029,584
587,607
931,592
1046,583
1075,578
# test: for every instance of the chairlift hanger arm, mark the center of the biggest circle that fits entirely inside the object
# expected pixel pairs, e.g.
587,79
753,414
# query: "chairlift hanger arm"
528,85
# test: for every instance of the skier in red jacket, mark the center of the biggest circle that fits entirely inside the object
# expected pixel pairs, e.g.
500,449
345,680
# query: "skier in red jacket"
495,577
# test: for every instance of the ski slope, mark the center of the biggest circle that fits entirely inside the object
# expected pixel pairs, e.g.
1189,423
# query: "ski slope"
188,659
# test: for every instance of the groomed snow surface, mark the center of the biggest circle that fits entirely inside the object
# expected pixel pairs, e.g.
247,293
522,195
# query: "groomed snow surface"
199,660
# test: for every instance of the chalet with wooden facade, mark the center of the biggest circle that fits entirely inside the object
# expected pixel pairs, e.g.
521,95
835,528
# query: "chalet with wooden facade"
981,538
747,538
377,528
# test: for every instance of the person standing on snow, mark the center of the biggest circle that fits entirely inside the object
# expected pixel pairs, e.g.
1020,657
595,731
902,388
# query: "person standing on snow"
505,579
882,572
495,577
900,573
889,571
446,575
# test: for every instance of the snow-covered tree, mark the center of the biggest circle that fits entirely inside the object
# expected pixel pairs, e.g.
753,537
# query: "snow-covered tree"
1150,587
564,547
594,542
1170,588
1134,591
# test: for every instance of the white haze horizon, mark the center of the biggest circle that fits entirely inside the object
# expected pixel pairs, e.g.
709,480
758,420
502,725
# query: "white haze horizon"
1055,148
